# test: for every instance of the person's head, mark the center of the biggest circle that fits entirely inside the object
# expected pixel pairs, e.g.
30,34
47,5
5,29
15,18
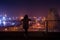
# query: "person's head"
26,16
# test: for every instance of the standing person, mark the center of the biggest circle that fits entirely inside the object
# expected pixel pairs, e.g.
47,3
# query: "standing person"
25,22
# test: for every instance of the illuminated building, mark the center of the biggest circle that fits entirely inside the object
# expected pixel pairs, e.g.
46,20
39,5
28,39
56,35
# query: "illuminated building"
52,18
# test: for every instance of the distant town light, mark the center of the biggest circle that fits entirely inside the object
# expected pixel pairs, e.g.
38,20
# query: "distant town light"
5,15
34,17
21,17
9,18
38,24
43,19
6,29
38,19
13,23
4,18
0,22
4,23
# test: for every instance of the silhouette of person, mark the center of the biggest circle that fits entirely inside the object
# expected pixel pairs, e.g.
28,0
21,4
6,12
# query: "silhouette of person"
25,22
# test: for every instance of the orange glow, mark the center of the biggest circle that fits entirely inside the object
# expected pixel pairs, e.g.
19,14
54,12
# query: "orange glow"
21,17
34,17
38,24
15,28
43,19
5,29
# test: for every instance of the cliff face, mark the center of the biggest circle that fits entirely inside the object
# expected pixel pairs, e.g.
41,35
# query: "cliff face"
53,19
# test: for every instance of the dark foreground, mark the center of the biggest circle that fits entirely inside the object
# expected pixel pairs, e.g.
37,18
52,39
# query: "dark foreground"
31,36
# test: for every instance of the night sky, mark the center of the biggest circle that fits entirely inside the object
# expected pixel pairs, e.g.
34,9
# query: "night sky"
30,7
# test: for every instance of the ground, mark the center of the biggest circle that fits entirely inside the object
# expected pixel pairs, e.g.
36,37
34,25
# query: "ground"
31,35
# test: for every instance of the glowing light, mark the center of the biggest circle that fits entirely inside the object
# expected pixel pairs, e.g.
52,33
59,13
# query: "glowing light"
21,17
29,22
38,19
13,23
15,28
0,22
38,24
4,18
9,18
4,23
34,17
43,19
5,15
5,29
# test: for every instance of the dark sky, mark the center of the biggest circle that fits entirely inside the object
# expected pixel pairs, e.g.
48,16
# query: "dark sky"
30,7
